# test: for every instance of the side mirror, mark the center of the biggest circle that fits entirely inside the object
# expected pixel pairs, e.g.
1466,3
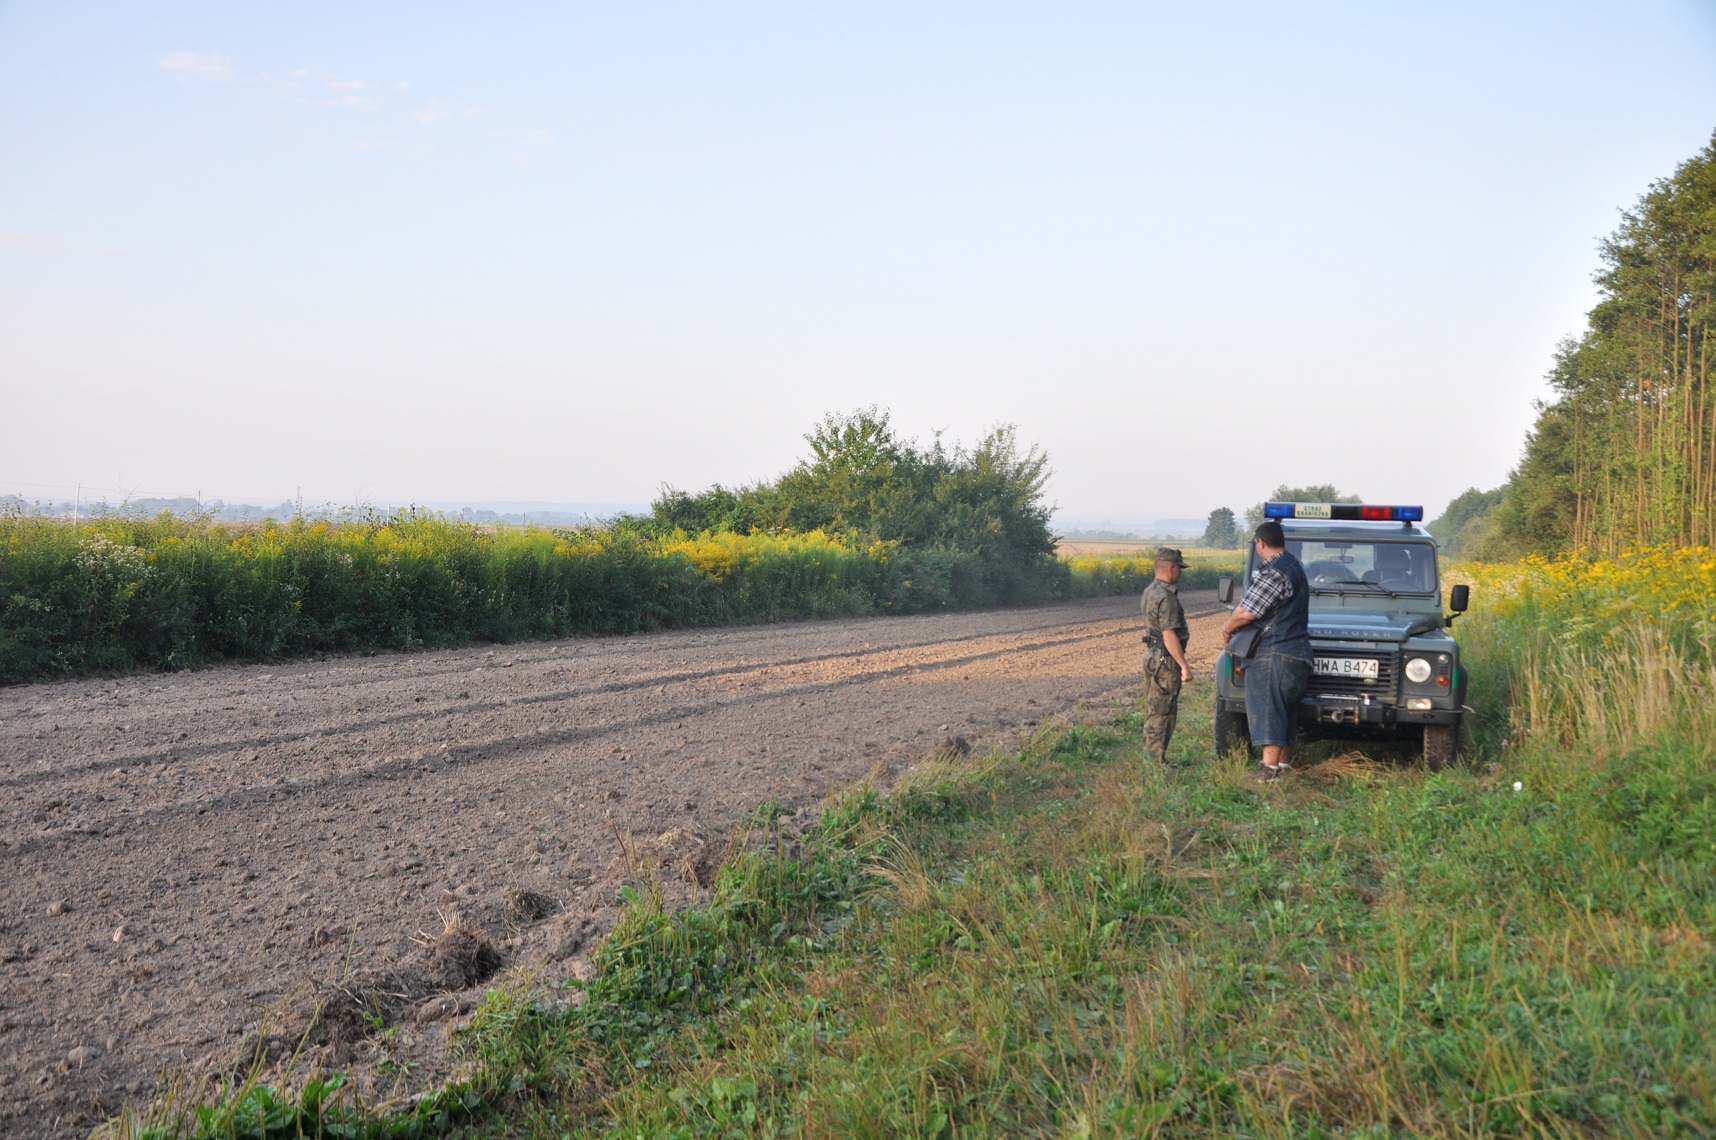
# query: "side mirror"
1459,598
1224,589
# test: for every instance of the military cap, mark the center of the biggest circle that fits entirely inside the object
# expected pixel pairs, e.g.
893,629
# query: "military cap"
1169,554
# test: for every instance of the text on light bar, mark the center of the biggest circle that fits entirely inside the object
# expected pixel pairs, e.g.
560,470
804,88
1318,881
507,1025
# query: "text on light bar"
1344,512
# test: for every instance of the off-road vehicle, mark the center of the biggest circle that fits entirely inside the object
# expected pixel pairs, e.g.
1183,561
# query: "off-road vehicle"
1383,660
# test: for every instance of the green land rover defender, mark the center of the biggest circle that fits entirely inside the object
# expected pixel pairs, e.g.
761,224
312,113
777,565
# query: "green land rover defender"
1384,662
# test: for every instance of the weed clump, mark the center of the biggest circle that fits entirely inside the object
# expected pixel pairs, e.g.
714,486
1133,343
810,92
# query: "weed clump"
463,957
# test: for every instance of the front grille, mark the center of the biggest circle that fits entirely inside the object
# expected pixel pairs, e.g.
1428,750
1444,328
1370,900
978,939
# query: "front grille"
1383,687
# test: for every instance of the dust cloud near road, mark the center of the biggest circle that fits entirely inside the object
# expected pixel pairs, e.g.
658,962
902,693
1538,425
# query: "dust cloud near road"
183,852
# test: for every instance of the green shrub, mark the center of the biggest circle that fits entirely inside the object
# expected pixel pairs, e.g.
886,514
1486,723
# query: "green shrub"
168,593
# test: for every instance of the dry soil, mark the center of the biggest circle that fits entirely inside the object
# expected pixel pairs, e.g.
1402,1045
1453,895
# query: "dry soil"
195,862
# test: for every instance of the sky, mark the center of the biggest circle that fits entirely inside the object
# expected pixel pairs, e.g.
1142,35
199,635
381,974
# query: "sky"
569,252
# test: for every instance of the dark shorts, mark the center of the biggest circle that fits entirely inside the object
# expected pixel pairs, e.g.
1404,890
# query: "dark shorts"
1274,685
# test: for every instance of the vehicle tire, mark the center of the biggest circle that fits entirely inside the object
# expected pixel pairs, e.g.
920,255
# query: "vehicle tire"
1231,732
1440,743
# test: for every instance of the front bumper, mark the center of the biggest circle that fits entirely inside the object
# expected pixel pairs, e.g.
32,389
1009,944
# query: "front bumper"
1332,704
1356,712
1375,714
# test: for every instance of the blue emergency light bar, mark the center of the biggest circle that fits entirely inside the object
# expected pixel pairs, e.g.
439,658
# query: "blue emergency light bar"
1342,512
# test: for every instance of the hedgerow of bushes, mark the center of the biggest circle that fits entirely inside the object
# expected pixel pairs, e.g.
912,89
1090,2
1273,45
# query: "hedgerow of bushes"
119,594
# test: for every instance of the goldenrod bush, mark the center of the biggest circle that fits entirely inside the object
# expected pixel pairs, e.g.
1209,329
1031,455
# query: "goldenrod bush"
126,593
1092,575
1598,651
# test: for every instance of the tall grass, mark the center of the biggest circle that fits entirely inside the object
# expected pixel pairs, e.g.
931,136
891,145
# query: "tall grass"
127,593
1592,653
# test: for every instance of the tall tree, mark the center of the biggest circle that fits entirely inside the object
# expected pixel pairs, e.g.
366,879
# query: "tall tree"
1221,533
1625,450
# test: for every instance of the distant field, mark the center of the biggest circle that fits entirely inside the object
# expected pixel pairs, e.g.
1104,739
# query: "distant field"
1119,571
1106,546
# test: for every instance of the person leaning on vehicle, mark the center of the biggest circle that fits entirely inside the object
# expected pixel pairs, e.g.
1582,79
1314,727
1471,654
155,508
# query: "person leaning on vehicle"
1165,638
1279,601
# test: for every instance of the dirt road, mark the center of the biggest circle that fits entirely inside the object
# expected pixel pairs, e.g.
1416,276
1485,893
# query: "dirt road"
182,851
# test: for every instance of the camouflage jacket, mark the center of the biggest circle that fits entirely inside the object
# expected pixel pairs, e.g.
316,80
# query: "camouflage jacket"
1162,610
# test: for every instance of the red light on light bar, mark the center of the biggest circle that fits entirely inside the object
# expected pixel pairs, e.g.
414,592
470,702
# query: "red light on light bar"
1377,514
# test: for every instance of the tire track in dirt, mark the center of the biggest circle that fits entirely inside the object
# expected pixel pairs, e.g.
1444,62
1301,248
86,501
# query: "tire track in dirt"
181,850
221,747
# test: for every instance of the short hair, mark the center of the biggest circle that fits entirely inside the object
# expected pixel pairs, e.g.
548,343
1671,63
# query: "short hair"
1270,532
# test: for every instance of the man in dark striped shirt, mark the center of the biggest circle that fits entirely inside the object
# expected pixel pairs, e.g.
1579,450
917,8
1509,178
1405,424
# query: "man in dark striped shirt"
1279,670
1268,589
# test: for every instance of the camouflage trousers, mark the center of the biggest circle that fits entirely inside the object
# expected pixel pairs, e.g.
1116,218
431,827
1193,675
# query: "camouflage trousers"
1161,702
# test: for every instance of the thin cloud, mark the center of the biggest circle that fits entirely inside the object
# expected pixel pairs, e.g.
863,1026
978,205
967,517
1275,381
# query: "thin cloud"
440,111
525,141
353,93
522,136
396,100
196,65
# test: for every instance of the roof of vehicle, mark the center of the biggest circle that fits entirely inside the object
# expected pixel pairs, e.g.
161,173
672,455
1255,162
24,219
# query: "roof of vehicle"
1325,530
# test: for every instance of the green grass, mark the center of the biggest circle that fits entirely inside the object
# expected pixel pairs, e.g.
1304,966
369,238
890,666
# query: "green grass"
1067,941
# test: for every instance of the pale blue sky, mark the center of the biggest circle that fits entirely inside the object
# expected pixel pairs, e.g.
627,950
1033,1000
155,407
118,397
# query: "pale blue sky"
568,252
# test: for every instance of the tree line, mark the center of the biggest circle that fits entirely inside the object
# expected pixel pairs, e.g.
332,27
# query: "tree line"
1624,450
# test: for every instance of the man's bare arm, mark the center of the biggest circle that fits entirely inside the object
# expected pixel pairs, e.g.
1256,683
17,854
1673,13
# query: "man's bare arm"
1171,642
1237,618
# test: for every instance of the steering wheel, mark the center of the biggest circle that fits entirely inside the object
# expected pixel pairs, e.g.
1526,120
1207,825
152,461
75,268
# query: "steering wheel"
1327,573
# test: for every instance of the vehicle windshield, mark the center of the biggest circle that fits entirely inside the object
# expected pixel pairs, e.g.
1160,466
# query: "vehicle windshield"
1398,567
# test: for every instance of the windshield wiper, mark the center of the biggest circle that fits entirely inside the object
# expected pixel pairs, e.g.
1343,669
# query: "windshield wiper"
1340,587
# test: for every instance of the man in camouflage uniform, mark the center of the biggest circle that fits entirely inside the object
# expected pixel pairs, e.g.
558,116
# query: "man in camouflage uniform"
1165,666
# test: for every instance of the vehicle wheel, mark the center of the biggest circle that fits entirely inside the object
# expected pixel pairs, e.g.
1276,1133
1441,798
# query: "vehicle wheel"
1231,732
1440,743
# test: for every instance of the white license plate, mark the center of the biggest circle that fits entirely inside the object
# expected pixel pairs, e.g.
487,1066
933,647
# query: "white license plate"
1347,667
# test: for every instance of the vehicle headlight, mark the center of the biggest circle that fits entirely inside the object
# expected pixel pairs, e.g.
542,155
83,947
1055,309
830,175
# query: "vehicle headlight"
1418,670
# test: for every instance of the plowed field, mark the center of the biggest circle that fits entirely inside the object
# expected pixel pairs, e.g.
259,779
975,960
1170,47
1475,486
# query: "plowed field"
182,853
